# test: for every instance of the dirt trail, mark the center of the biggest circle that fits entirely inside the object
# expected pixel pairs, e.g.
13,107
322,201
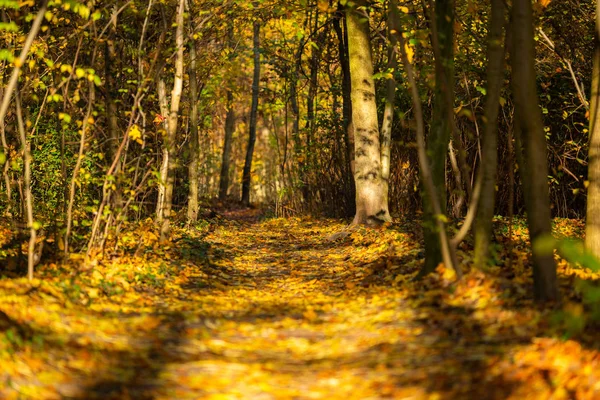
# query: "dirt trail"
272,310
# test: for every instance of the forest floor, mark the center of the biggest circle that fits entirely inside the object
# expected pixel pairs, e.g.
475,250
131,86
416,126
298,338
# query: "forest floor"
253,308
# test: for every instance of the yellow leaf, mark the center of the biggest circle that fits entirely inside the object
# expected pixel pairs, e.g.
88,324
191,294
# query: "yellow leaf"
410,52
123,282
135,134
97,275
323,5
310,314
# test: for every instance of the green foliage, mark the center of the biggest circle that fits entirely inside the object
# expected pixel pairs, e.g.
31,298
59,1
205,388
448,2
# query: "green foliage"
9,4
575,316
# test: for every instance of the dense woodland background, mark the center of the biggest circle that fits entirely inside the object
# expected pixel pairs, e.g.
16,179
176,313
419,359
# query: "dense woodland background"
121,111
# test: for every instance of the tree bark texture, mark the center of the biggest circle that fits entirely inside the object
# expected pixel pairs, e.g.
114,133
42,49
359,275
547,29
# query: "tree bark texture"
388,112
489,157
370,201
161,90
192,211
441,127
340,27
531,130
171,140
247,172
592,226
229,129
313,87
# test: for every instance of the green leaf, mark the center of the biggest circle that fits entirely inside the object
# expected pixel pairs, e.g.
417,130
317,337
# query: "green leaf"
6,55
9,4
574,252
64,117
9,27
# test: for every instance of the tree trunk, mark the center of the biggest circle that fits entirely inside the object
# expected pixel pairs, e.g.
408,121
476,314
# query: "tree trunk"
592,226
246,175
26,152
110,56
8,89
448,249
192,211
439,135
489,157
296,117
339,22
229,129
531,130
371,206
388,113
299,159
171,140
112,112
313,87
164,166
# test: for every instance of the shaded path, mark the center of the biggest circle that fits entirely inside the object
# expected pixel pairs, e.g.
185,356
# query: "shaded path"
274,310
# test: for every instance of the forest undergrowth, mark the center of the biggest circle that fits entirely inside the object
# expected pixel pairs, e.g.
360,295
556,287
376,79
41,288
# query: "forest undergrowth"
243,306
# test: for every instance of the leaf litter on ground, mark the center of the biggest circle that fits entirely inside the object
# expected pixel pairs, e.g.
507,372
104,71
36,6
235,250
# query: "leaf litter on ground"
271,309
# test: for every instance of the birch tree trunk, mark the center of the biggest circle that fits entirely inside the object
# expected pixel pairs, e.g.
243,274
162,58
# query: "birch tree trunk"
163,103
171,139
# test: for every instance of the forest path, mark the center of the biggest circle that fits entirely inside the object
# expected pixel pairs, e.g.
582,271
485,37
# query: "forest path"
273,310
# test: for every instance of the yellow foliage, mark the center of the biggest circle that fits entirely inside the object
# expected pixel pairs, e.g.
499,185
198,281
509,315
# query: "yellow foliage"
410,52
271,309
135,134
